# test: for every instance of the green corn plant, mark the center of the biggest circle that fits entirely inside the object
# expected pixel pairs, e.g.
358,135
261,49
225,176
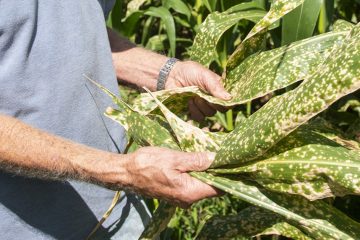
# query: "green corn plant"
284,159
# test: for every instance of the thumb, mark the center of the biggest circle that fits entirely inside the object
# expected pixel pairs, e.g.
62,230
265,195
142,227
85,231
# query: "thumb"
196,161
215,88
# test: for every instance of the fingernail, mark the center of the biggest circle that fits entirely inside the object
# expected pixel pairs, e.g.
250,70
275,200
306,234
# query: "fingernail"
211,156
227,96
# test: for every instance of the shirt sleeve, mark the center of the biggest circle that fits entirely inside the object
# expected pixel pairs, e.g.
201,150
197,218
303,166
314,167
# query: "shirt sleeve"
107,6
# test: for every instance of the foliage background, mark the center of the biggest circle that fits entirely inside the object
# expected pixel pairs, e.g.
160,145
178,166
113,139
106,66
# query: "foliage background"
170,26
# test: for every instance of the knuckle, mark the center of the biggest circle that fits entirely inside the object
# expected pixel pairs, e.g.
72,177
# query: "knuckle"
178,182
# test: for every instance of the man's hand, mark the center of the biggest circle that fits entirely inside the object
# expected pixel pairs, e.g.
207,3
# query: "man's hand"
141,67
190,73
162,173
153,171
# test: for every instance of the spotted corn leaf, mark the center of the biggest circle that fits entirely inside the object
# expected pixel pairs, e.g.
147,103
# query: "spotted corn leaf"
190,138
326,129
142,129
342,25
176,98
147,132
263,73
338,76
257,76
324,215
133,6
249,223
158,222
251,43
120,115
210,32
317,219
306,163
286,230
118,101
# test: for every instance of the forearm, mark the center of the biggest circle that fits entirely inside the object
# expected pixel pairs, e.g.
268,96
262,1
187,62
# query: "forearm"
28,151
134,64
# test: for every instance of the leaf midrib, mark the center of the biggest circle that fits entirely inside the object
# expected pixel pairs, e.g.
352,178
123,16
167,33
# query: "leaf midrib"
300,19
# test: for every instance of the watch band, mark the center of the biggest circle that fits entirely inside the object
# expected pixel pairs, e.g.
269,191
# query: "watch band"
164,73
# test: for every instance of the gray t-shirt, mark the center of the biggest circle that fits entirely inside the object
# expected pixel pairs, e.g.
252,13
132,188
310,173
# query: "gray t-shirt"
45,48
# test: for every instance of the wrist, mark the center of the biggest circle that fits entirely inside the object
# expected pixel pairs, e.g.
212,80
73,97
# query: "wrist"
104,168
138,66
164,73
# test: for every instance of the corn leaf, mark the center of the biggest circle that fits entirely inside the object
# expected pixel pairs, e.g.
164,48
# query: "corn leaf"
251,43
306,163
337,77
245,6
326,16
177,99
145,132
300,23
342,25
178,6
326,129
159,221
317,219
168,21
119,116
210,4
133,6
263,73
190,138
257,76
210,32
249,223
286,230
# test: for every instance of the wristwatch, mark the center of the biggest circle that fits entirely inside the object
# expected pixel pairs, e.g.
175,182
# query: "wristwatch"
164,73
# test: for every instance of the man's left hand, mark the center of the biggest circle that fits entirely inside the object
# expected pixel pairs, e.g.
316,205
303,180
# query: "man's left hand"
189,73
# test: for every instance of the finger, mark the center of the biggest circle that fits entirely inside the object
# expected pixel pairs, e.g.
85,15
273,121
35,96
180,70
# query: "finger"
214,86
197,190
204,107
195,114
196,161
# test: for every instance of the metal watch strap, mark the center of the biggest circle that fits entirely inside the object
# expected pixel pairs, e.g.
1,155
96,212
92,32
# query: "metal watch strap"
164,73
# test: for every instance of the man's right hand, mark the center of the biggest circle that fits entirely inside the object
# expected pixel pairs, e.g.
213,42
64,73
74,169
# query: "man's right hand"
152,171
163,173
